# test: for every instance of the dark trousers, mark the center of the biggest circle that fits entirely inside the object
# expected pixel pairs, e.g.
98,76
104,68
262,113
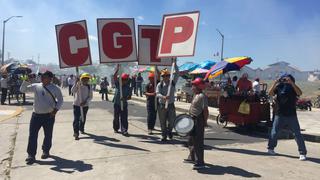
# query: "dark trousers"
152,113
104,92
70,93
120,118
77,121
167,118
139,88
134,89
292,121
3,95
196,139
37,121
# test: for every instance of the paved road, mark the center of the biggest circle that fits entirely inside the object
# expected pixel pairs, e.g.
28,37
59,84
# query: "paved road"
101,154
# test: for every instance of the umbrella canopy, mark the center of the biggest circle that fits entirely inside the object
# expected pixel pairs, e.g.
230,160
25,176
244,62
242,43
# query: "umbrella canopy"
230,64
144,69
188,67
6,68
207,64
199,71
15,68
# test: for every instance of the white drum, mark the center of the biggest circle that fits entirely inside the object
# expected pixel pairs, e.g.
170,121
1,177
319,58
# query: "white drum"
183,124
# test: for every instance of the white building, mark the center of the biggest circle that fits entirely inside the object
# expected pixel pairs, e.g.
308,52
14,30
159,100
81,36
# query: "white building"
274,71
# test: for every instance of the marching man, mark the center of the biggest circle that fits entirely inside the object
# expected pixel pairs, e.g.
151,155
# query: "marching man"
199,112
167,116
121,115
47,101
151,95
84,90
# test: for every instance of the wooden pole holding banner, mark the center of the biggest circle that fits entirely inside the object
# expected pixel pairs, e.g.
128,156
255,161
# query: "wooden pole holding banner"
120,87
79,93
155,86
170,83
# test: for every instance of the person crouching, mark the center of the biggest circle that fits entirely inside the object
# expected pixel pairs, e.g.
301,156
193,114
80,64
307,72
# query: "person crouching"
199,112
83,95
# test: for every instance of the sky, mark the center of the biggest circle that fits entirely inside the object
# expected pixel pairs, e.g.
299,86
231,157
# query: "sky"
266,30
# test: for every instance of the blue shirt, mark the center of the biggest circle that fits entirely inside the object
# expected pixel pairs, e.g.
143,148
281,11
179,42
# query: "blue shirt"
126,92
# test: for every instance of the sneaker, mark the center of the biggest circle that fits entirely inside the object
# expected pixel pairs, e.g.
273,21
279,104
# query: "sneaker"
198,166
271,152
82,132
149,131
30,160
303,157
45,155
125,133
164,139
76,136
115,131
170,136
189,161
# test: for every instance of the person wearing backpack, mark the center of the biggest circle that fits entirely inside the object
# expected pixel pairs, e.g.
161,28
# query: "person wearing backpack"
83,95
47,101
167,116
285,114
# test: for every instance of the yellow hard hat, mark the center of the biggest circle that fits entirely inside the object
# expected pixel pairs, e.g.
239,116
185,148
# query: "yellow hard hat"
85,75
165,72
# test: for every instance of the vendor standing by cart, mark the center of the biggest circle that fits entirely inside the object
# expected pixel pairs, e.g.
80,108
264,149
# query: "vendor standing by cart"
244,86
199,112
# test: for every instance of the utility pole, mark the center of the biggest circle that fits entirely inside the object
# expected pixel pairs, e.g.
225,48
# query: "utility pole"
3,36
221,44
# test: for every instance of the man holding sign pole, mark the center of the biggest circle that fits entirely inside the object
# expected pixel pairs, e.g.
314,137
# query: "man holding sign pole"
167,115
83,95
121,113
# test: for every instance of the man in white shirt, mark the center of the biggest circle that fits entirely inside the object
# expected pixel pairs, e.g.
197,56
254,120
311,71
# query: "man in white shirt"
47,101
256,86
4,88
71,80
83,96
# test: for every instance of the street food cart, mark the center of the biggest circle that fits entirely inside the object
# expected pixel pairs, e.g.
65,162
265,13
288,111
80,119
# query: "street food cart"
229,111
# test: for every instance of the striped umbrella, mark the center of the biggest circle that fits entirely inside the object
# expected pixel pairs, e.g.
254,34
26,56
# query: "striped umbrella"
230,64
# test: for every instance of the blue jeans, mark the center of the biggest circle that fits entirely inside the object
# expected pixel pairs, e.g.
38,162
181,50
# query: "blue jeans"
120,118
292,121
77,121
139,88
37,121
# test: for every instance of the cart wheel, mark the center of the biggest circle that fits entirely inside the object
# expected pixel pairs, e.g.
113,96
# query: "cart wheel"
222,120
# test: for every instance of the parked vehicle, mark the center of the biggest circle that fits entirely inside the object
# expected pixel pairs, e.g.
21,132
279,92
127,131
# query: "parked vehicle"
304,104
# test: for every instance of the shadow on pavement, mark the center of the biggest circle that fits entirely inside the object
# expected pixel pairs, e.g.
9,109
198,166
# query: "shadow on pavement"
259,153
65,165
99,138
220,139
146,137
220,170
103,140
